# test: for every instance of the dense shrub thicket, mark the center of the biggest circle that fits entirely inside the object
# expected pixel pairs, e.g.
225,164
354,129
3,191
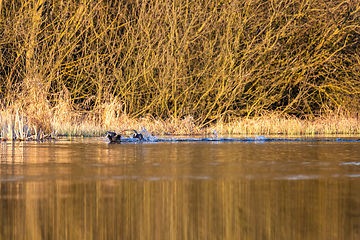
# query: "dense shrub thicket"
209,59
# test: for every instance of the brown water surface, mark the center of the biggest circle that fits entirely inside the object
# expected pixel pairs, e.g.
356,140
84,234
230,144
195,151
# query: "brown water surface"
88,189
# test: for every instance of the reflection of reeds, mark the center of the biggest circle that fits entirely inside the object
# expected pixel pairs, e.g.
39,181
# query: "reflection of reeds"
181,208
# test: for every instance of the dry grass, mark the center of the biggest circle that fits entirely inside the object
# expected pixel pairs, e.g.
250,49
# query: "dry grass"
264,125
291,125
15,124
87,127
180,67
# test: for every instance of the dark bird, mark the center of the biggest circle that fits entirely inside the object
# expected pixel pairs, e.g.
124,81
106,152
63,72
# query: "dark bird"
113,137
138,135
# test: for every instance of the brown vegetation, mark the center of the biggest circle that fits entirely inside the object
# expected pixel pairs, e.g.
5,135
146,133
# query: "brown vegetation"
90,65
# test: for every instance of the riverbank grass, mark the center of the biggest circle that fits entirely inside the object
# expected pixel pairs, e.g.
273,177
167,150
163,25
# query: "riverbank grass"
16,125
264,125
269,125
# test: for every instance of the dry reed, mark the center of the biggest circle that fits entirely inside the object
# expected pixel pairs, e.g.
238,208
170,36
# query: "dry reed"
289,125
182,66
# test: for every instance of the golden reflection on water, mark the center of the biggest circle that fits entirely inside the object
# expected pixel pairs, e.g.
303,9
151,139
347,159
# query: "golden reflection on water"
73,205
180,209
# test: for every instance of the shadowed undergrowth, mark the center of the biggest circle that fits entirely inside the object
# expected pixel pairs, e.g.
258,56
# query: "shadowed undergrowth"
181,67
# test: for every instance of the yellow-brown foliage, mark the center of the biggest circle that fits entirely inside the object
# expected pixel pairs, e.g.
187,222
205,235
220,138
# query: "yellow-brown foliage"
90,62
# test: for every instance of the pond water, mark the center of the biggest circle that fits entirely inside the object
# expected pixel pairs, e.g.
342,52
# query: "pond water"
89,189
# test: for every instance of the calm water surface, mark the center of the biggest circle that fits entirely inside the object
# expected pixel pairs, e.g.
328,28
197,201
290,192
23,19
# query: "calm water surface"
88,189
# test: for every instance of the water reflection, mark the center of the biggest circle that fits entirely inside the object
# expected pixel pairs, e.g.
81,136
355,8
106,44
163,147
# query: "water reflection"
92,190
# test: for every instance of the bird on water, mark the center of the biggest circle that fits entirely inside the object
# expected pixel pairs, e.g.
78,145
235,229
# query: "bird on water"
116,137
113,137
138,135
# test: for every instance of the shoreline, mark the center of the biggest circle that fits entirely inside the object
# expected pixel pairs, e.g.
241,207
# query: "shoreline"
21,126
265,125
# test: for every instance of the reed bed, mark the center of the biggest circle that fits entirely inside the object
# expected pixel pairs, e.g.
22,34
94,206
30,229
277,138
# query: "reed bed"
15,126
289,125
261,125
83,67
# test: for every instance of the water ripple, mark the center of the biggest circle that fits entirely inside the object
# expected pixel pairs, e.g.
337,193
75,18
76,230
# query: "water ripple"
246,139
